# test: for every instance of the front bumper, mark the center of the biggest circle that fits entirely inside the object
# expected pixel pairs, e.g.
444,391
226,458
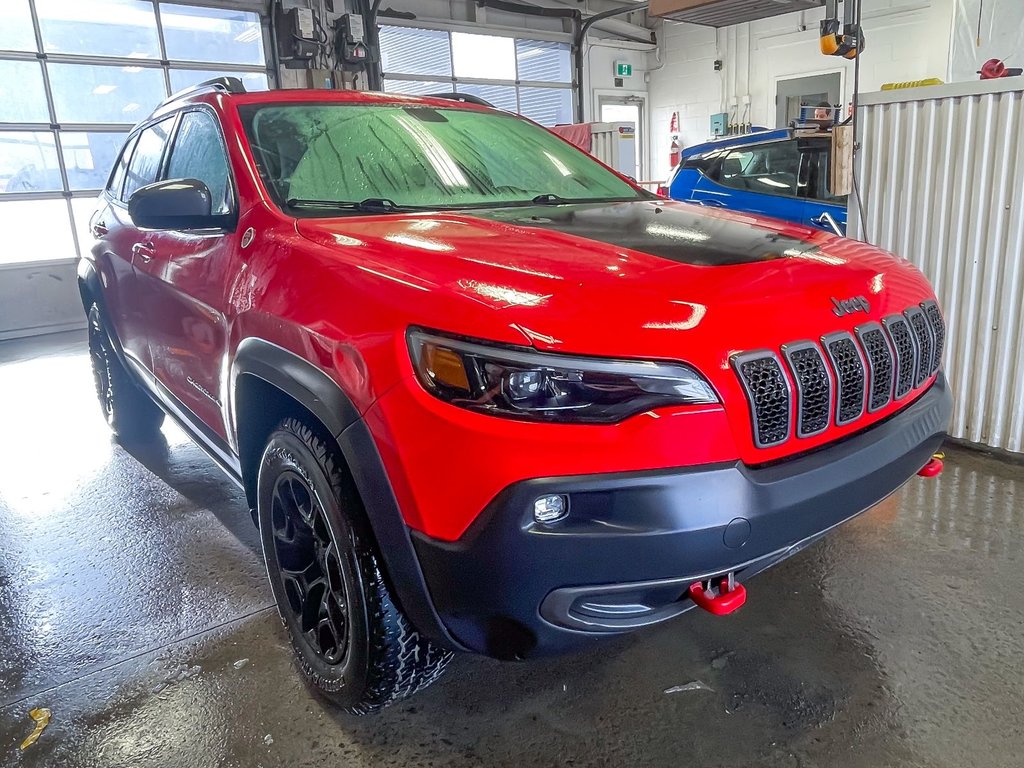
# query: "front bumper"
633,542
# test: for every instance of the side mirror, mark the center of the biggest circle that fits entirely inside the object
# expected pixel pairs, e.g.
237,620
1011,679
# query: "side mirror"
175,204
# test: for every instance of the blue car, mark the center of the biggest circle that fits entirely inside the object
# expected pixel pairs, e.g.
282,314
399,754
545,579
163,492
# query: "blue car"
781,173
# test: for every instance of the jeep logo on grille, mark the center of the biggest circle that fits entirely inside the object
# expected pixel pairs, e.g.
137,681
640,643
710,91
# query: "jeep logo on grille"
849,306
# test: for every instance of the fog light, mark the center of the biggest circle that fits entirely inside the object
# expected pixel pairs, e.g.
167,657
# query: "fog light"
550,509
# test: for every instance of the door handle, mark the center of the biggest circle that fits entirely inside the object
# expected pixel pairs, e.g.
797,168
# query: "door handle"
144,251
99,229
711,203
826,221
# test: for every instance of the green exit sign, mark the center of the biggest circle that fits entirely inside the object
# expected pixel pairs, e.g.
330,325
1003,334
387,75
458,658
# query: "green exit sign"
623,69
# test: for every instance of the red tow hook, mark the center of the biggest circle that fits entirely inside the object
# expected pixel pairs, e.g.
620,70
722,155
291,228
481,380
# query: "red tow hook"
934,466
730,595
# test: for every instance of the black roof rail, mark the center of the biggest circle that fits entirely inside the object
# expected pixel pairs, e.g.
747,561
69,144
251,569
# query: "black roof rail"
225,84
465,98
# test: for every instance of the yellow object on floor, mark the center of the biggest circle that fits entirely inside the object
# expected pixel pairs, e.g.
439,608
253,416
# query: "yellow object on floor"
42,717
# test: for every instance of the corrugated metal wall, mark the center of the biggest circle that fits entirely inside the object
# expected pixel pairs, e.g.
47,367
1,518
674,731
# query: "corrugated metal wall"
941,180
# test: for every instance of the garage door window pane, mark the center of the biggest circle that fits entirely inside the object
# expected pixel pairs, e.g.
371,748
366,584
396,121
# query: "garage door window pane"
35,230
28,162
22,97
88,157
548,106
418,87
483,56
16,26
501,96
409,51
185,78
85,93
101,27
210,34
543,61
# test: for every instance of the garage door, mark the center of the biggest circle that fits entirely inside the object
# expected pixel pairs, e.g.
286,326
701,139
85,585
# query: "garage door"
75,75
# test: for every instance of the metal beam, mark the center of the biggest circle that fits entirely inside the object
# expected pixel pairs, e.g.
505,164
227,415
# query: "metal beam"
612,26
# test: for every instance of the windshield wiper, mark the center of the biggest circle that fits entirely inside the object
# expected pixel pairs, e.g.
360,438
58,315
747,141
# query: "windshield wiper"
369,205
549,199
553,199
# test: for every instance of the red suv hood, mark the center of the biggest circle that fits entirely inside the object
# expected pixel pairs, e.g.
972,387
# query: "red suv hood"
647,280
644,279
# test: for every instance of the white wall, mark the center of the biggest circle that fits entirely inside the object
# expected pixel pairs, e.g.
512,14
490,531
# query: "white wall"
39,298
599,59
906,40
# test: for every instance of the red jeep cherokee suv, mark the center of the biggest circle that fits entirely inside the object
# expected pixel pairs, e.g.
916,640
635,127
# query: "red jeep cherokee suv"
482,392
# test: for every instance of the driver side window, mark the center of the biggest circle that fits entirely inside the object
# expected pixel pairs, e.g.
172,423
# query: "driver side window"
198,153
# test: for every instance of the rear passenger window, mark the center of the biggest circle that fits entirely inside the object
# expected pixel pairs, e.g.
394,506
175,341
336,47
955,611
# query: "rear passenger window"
704,162
145,163
769,169
117,179
199,153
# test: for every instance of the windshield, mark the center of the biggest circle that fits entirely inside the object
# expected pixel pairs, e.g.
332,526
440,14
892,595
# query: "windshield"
415,156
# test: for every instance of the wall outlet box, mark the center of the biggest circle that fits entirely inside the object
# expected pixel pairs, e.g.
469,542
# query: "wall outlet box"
718,123
745,100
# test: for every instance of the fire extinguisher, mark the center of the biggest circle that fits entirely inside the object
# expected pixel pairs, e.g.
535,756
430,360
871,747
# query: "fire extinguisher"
674,146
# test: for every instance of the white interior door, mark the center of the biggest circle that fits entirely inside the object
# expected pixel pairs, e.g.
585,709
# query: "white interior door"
628,109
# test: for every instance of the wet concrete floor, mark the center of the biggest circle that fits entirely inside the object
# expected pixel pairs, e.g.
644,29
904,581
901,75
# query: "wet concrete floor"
134,605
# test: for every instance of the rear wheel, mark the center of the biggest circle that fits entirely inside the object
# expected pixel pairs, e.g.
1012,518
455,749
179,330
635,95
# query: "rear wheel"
129,411
352,641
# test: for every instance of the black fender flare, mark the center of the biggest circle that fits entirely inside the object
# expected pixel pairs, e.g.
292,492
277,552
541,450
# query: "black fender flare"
90,288
318,393
297,378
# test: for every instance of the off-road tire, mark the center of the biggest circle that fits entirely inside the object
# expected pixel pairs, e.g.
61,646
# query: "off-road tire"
384,659
128,411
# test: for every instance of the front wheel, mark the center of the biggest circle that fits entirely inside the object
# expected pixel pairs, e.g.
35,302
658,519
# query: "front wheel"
352,641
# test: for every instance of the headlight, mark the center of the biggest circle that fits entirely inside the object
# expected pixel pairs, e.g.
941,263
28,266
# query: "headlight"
542,386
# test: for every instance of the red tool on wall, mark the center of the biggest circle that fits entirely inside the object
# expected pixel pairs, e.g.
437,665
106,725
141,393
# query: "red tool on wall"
995,68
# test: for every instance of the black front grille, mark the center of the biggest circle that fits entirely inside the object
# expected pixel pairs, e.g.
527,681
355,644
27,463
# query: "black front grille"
880,367
849,368
931,310
768,395
866,372
923,336
906,353
813,387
